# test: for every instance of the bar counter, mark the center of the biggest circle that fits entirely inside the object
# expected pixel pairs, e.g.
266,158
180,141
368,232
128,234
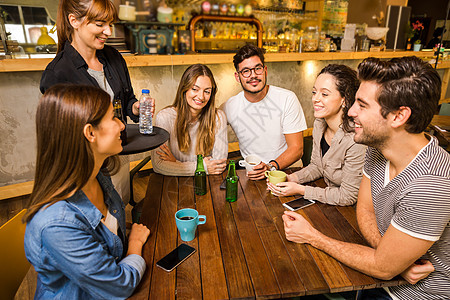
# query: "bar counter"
39,64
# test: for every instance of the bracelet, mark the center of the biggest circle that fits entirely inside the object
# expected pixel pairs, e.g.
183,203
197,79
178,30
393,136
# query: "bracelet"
278,166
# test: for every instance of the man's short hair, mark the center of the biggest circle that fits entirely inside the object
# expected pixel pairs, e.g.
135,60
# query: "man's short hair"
406,81
247,51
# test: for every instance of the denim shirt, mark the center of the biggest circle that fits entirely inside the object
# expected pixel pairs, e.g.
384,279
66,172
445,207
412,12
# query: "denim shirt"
76,256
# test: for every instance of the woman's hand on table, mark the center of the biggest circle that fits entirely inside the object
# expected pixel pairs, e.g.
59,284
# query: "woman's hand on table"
297,228
165,153
418,271
135,108
137,238
215,166
285,188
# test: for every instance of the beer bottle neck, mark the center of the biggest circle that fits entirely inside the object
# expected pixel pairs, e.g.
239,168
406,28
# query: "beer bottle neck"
200,163
231,169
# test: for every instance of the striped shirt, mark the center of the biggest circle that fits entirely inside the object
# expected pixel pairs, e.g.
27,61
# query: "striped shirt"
416,202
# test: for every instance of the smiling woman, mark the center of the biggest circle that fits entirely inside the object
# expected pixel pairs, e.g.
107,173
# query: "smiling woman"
335,155
195,126
83,58
76,236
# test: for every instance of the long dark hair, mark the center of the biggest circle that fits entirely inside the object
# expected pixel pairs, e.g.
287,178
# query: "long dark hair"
91,10
347,84
65,160
207,117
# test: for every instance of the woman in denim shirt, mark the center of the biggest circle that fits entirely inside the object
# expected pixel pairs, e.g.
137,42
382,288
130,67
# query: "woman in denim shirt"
76,236
335,155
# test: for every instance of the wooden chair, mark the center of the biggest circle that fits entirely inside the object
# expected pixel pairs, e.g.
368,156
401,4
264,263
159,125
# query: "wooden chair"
307,150
445,109
13,263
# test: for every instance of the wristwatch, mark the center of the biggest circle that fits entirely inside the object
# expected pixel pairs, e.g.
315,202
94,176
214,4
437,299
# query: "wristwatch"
271,166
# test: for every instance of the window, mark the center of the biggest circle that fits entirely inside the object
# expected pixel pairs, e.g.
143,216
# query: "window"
24,23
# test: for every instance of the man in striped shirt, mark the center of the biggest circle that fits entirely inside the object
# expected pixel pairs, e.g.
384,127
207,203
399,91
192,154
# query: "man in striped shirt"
403,205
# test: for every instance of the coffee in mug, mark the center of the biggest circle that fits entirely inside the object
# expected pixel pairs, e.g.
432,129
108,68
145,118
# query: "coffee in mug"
187,220
249,162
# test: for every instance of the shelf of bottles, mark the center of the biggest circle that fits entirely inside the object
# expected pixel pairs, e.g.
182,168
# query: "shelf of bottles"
221,33
284,22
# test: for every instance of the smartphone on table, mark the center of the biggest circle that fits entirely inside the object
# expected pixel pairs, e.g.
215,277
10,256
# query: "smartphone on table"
176,257
223,185
298,203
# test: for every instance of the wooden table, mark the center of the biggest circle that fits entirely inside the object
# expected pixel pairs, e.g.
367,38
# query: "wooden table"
242,251
441,124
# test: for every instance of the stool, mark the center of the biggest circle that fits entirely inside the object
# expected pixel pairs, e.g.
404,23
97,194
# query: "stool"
137,207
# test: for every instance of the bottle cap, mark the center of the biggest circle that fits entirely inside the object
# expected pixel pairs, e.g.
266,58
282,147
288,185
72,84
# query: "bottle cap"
145,91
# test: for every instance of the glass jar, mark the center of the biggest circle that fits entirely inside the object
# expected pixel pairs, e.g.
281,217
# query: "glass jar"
310,40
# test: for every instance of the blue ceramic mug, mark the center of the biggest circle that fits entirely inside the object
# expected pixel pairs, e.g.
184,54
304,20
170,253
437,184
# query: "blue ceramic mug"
187,220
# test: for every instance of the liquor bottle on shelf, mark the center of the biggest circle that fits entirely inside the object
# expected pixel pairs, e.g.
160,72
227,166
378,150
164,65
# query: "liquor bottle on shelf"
232,10
206,7
223,9
215,9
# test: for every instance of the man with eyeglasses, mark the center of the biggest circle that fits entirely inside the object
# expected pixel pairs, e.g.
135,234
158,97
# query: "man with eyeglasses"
267,120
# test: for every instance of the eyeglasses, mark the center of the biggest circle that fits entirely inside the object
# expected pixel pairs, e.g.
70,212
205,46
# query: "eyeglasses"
259,69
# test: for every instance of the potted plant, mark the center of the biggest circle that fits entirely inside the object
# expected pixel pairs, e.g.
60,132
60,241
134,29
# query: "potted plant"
417,45
417,28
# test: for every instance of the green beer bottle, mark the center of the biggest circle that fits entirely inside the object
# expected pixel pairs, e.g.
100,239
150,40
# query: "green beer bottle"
200,177
117,105
232,183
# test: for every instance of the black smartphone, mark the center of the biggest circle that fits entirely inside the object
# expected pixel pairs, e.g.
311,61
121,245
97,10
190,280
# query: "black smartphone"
298,203
223,185
176,257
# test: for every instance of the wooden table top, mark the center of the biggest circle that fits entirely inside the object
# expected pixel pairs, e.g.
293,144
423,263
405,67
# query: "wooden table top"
242,251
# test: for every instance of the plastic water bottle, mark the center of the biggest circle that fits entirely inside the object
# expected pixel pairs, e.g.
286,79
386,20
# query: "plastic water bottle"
145,113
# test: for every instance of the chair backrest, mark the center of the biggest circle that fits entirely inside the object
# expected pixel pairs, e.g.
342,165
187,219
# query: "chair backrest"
307,150
13,263
445,109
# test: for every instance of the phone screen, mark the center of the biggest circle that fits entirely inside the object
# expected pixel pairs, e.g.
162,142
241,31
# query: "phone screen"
176,257
298,203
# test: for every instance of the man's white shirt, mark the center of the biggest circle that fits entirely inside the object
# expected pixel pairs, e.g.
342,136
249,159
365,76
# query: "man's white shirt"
261,126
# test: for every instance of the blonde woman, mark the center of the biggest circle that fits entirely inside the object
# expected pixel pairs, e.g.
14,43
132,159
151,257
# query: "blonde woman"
195,126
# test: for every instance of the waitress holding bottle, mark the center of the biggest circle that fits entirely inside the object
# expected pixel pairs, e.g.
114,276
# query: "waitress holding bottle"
83,27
